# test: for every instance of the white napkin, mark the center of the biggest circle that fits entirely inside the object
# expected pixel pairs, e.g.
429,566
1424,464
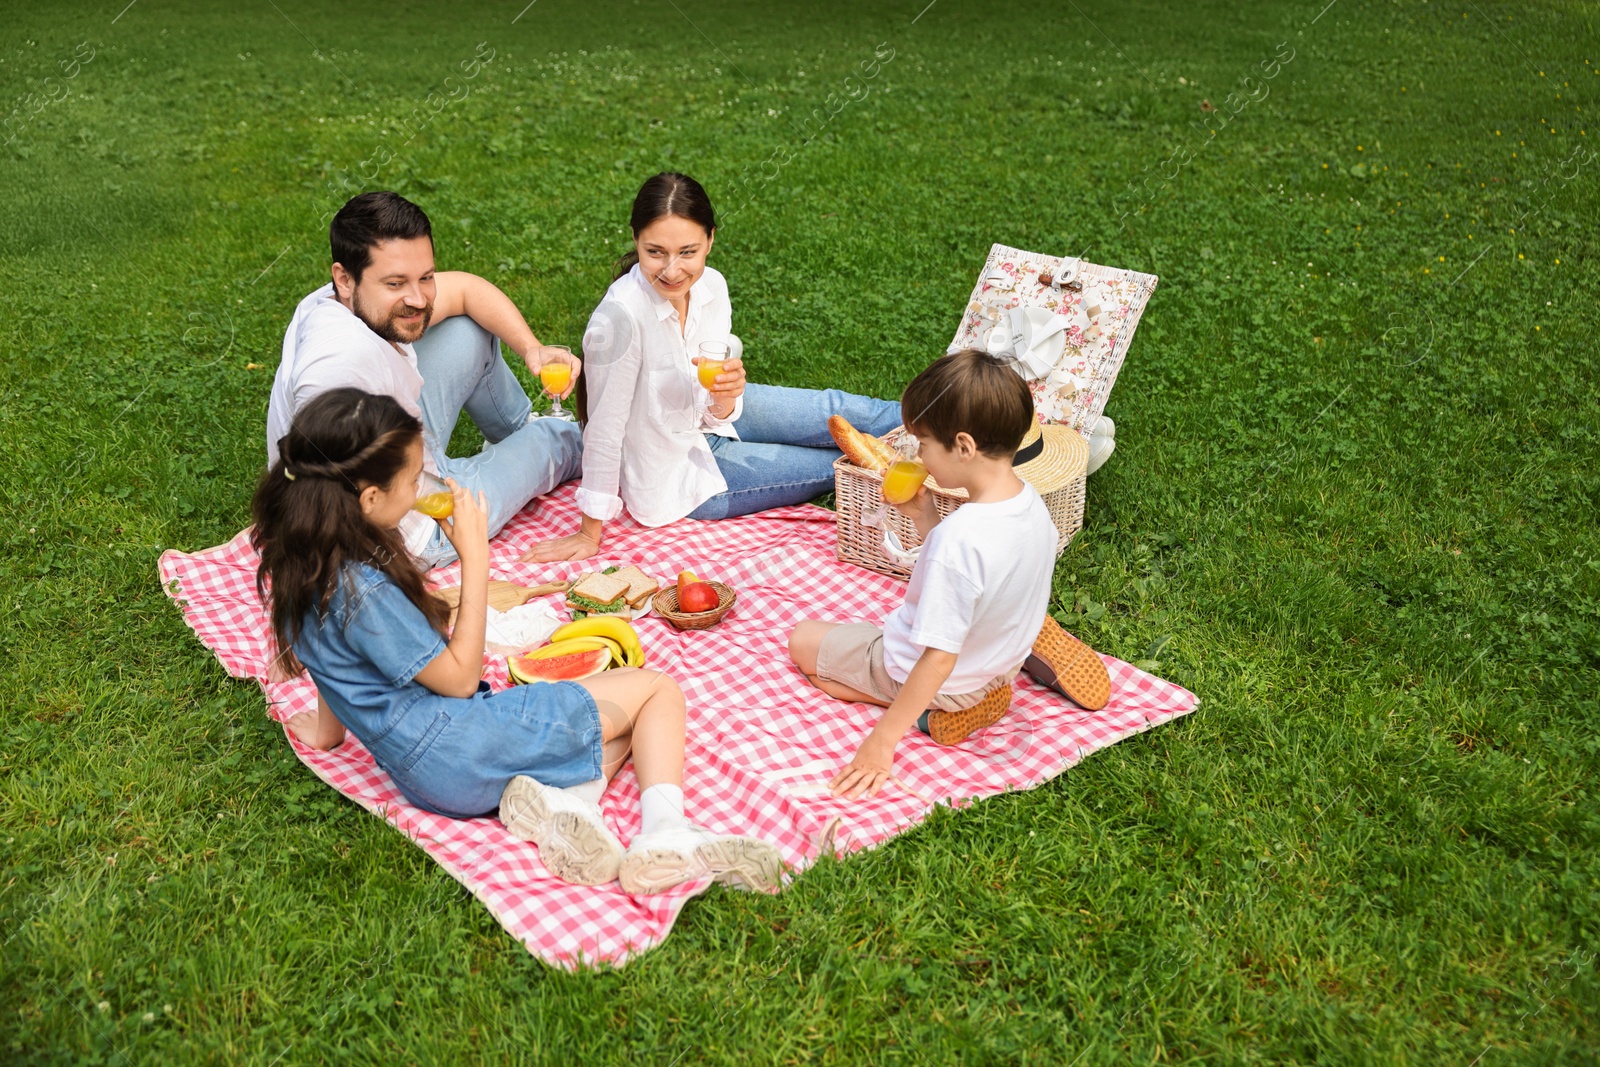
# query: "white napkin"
509,632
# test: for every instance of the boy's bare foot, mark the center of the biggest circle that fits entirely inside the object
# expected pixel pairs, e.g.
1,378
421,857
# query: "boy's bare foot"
574,841
658,861
1069,666
954,727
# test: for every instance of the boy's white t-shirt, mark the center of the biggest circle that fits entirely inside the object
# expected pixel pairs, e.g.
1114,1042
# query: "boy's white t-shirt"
328,346
980,588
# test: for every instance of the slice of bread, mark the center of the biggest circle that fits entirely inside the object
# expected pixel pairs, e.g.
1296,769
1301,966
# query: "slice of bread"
598,592
641,586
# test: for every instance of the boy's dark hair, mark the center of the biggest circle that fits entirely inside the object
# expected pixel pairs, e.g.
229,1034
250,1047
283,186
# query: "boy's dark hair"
307,510
368,220
969,392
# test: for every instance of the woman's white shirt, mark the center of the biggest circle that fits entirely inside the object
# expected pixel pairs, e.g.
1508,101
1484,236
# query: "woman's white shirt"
644,445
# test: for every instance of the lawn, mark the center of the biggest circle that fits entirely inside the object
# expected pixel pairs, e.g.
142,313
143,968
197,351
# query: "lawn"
1353,507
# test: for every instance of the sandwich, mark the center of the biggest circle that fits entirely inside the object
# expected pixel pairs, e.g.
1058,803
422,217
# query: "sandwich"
599,594
641,587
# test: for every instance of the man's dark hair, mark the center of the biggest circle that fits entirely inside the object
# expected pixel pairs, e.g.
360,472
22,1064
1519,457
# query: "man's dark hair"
969,392
368,220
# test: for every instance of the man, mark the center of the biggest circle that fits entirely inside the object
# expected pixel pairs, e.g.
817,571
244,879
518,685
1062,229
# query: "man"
389,324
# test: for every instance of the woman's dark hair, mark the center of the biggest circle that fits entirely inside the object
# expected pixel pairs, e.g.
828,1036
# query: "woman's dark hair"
307,510
666,195
969,392
367,221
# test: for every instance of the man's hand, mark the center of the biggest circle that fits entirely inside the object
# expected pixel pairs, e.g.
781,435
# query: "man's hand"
864,775
538,355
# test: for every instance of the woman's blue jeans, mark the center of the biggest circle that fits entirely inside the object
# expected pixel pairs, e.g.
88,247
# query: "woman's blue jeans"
784,454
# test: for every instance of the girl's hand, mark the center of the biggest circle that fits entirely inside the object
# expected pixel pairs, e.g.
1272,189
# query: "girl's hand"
467,528
575,546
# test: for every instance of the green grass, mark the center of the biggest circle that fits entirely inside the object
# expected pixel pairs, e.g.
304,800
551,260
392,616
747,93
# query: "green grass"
1353,508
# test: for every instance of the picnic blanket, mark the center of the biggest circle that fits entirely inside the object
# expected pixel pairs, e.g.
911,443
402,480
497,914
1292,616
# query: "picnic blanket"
762,742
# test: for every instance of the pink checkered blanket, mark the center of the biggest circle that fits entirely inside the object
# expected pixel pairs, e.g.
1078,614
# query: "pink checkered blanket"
762,743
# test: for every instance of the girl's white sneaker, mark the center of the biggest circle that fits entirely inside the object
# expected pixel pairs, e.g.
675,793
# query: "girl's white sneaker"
658,861
574,841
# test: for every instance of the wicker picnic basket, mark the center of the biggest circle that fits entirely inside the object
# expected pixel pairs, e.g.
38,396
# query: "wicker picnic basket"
1066,324
858,494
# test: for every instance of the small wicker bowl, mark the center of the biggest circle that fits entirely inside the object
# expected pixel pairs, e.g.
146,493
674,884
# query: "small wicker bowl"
666,604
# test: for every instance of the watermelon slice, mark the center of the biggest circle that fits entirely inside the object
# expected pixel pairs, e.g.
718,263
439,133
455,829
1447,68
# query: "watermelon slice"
568,668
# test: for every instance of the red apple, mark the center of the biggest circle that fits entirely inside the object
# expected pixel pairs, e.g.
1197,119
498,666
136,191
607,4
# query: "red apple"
697,596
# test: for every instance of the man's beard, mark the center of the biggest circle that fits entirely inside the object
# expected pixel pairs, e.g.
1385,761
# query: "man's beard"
390,328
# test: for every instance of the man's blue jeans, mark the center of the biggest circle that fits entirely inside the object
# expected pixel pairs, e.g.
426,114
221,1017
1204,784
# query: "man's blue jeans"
784,454
523,457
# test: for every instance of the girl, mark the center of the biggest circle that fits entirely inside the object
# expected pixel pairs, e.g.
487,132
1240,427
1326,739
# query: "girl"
656,441
349,604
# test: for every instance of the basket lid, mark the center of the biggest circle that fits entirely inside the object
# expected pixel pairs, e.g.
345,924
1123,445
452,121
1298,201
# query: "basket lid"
1051,457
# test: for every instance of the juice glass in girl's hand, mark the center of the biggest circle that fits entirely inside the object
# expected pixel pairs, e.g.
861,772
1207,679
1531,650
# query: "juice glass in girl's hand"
434,498
713,355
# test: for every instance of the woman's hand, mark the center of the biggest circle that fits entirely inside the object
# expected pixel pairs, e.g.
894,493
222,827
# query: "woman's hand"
572,547
728,387
467,528
581,545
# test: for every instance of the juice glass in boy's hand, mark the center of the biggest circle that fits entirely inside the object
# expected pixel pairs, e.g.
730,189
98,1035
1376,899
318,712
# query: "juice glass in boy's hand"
434,497
902,480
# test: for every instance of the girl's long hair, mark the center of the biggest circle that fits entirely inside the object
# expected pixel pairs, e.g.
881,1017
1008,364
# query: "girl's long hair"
665,195
307,509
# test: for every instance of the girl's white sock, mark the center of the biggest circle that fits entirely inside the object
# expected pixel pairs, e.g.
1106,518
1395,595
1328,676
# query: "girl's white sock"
662,807
590,791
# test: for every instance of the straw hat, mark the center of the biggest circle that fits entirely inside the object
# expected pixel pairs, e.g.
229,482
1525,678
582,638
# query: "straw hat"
1051,456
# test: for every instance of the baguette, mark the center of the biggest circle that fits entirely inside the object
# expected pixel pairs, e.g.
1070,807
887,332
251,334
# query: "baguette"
861,449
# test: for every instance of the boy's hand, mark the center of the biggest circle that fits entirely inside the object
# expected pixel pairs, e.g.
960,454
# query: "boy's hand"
864,775
919,506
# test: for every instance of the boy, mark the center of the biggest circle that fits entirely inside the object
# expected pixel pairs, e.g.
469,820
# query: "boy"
944,660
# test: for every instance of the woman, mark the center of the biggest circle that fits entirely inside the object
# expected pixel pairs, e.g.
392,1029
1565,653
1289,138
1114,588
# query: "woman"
658,443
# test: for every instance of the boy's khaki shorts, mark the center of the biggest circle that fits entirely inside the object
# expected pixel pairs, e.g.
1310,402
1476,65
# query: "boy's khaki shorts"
852,654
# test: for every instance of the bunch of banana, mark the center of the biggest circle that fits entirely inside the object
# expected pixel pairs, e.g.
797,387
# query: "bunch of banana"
596,631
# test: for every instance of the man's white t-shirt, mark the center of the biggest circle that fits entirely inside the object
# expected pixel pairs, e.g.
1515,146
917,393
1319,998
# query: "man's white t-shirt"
980,588
328,346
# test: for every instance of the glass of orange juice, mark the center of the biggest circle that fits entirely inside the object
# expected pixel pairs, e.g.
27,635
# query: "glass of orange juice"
902,480
555,376
434,498
713,355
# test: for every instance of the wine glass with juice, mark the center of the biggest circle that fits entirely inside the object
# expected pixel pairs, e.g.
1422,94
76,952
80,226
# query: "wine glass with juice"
713,357
555,376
